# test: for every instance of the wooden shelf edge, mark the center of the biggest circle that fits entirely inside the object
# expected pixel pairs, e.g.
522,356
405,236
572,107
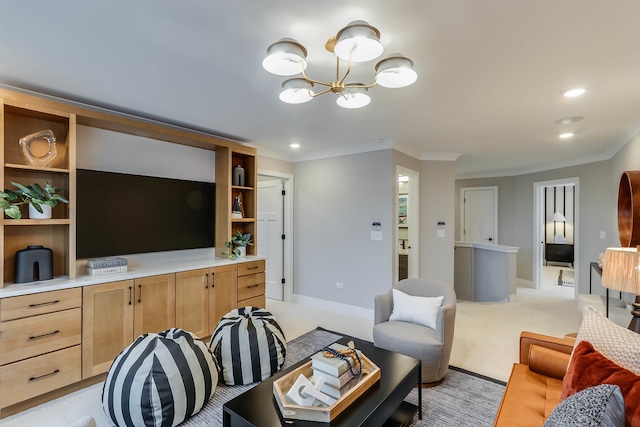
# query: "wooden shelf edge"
26,221
239,187
243,219
35,168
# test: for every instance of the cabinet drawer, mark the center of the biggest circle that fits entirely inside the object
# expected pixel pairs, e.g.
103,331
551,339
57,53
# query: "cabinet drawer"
35,335
250,286
38,375
254,302
41,303
252,267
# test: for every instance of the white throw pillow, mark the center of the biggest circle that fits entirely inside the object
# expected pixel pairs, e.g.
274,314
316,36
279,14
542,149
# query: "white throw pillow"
616,343
414,309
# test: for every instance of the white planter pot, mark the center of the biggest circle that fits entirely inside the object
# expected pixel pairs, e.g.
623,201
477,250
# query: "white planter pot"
243,251
34,214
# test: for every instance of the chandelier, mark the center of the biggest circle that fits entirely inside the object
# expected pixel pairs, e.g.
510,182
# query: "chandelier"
357,42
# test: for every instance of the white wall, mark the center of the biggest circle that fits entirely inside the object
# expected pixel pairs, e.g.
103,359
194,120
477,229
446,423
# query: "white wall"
110,151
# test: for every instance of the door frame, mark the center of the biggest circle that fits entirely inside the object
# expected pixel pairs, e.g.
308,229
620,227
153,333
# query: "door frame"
287,181
493,188
538,225
413,223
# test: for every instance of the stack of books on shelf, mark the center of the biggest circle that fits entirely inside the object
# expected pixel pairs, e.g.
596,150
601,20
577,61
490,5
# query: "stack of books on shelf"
109,265
337,373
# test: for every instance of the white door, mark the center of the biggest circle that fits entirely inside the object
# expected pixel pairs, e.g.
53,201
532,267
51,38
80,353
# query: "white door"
480,210
270,231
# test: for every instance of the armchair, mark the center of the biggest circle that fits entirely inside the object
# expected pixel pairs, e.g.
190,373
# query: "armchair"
431,346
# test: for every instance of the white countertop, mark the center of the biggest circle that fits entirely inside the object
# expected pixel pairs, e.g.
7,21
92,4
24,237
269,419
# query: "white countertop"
487,246
142,265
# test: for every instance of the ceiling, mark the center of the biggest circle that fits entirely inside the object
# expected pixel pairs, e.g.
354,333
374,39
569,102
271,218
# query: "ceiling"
490,73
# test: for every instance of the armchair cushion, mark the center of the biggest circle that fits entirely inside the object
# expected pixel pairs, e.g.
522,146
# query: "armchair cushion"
549,362
415,309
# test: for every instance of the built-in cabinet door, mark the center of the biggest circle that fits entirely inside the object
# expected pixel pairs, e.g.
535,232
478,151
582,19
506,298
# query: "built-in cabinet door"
224,295
192,301
155,304
107,324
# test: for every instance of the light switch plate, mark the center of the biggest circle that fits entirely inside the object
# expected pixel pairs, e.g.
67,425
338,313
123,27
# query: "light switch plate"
440,233
376,235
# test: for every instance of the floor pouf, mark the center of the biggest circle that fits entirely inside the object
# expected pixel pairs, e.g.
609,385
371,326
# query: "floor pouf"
159,380
249,346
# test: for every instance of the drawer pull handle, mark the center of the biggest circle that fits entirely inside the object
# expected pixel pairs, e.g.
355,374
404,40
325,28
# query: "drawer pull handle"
130,295
140,294
252,268
253,286
44,303
35,337
44,376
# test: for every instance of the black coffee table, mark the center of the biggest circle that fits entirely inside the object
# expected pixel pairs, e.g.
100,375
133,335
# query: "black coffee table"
382,404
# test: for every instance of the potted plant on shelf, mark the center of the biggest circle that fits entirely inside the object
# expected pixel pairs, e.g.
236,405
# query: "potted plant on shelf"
237,247
39,199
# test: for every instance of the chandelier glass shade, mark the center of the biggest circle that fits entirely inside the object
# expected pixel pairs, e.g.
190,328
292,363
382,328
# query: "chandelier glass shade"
357,42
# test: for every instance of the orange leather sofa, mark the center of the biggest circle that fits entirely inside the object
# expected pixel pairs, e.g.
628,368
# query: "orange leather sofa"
535,384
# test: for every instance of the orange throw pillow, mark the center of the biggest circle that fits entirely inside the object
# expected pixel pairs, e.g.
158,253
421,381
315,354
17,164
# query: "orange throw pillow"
588,368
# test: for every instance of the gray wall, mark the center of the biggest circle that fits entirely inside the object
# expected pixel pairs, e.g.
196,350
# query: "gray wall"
515,213
335,202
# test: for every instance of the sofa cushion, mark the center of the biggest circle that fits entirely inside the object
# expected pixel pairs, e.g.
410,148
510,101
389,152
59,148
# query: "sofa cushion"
528,399
415,309
547,361
614,342
601,405
589,367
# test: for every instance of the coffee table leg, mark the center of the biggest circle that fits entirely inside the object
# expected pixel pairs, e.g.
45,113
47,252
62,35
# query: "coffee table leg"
420,391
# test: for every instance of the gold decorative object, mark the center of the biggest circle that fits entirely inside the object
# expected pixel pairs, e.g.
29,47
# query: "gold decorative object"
39,149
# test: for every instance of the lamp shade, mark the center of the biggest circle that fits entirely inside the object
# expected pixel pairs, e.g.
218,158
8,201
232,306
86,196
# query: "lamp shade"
353,97
296,91
395,72
620,270
286,57
558,217
359,42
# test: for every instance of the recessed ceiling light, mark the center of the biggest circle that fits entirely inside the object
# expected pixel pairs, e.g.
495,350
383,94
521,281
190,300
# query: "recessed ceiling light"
572,93
565,135
569,120
294,145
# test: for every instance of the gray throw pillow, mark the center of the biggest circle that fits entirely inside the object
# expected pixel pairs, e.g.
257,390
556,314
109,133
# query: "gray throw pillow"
601,405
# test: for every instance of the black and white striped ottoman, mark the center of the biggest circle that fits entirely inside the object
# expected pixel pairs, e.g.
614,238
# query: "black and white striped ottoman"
159,380
249,346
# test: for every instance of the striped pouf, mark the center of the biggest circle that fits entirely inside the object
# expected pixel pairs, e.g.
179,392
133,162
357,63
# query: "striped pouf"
159,380
249,346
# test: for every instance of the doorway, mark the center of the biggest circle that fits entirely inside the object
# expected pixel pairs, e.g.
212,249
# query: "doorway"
407,248
275,232
556,235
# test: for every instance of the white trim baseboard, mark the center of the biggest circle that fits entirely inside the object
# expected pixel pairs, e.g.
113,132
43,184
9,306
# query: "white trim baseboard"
349,310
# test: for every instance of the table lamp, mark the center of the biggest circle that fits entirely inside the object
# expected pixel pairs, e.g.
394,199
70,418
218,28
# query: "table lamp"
620,272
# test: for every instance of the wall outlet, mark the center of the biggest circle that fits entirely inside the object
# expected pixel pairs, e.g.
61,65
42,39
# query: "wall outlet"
339,285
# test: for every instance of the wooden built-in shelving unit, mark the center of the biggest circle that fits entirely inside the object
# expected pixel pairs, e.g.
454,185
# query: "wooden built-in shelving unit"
23,114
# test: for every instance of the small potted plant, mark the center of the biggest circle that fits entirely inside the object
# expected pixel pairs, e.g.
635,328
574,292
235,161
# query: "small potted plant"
237,247
39,199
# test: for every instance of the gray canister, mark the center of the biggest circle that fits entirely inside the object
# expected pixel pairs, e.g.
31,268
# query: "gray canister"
33,263
238,176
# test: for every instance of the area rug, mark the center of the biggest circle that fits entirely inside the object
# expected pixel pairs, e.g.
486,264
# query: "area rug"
463,399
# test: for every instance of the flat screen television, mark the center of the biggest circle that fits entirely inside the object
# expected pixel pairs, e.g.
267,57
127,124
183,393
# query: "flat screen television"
120,214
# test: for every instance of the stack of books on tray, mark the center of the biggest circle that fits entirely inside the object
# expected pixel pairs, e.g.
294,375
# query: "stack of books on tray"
109,265
338,374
